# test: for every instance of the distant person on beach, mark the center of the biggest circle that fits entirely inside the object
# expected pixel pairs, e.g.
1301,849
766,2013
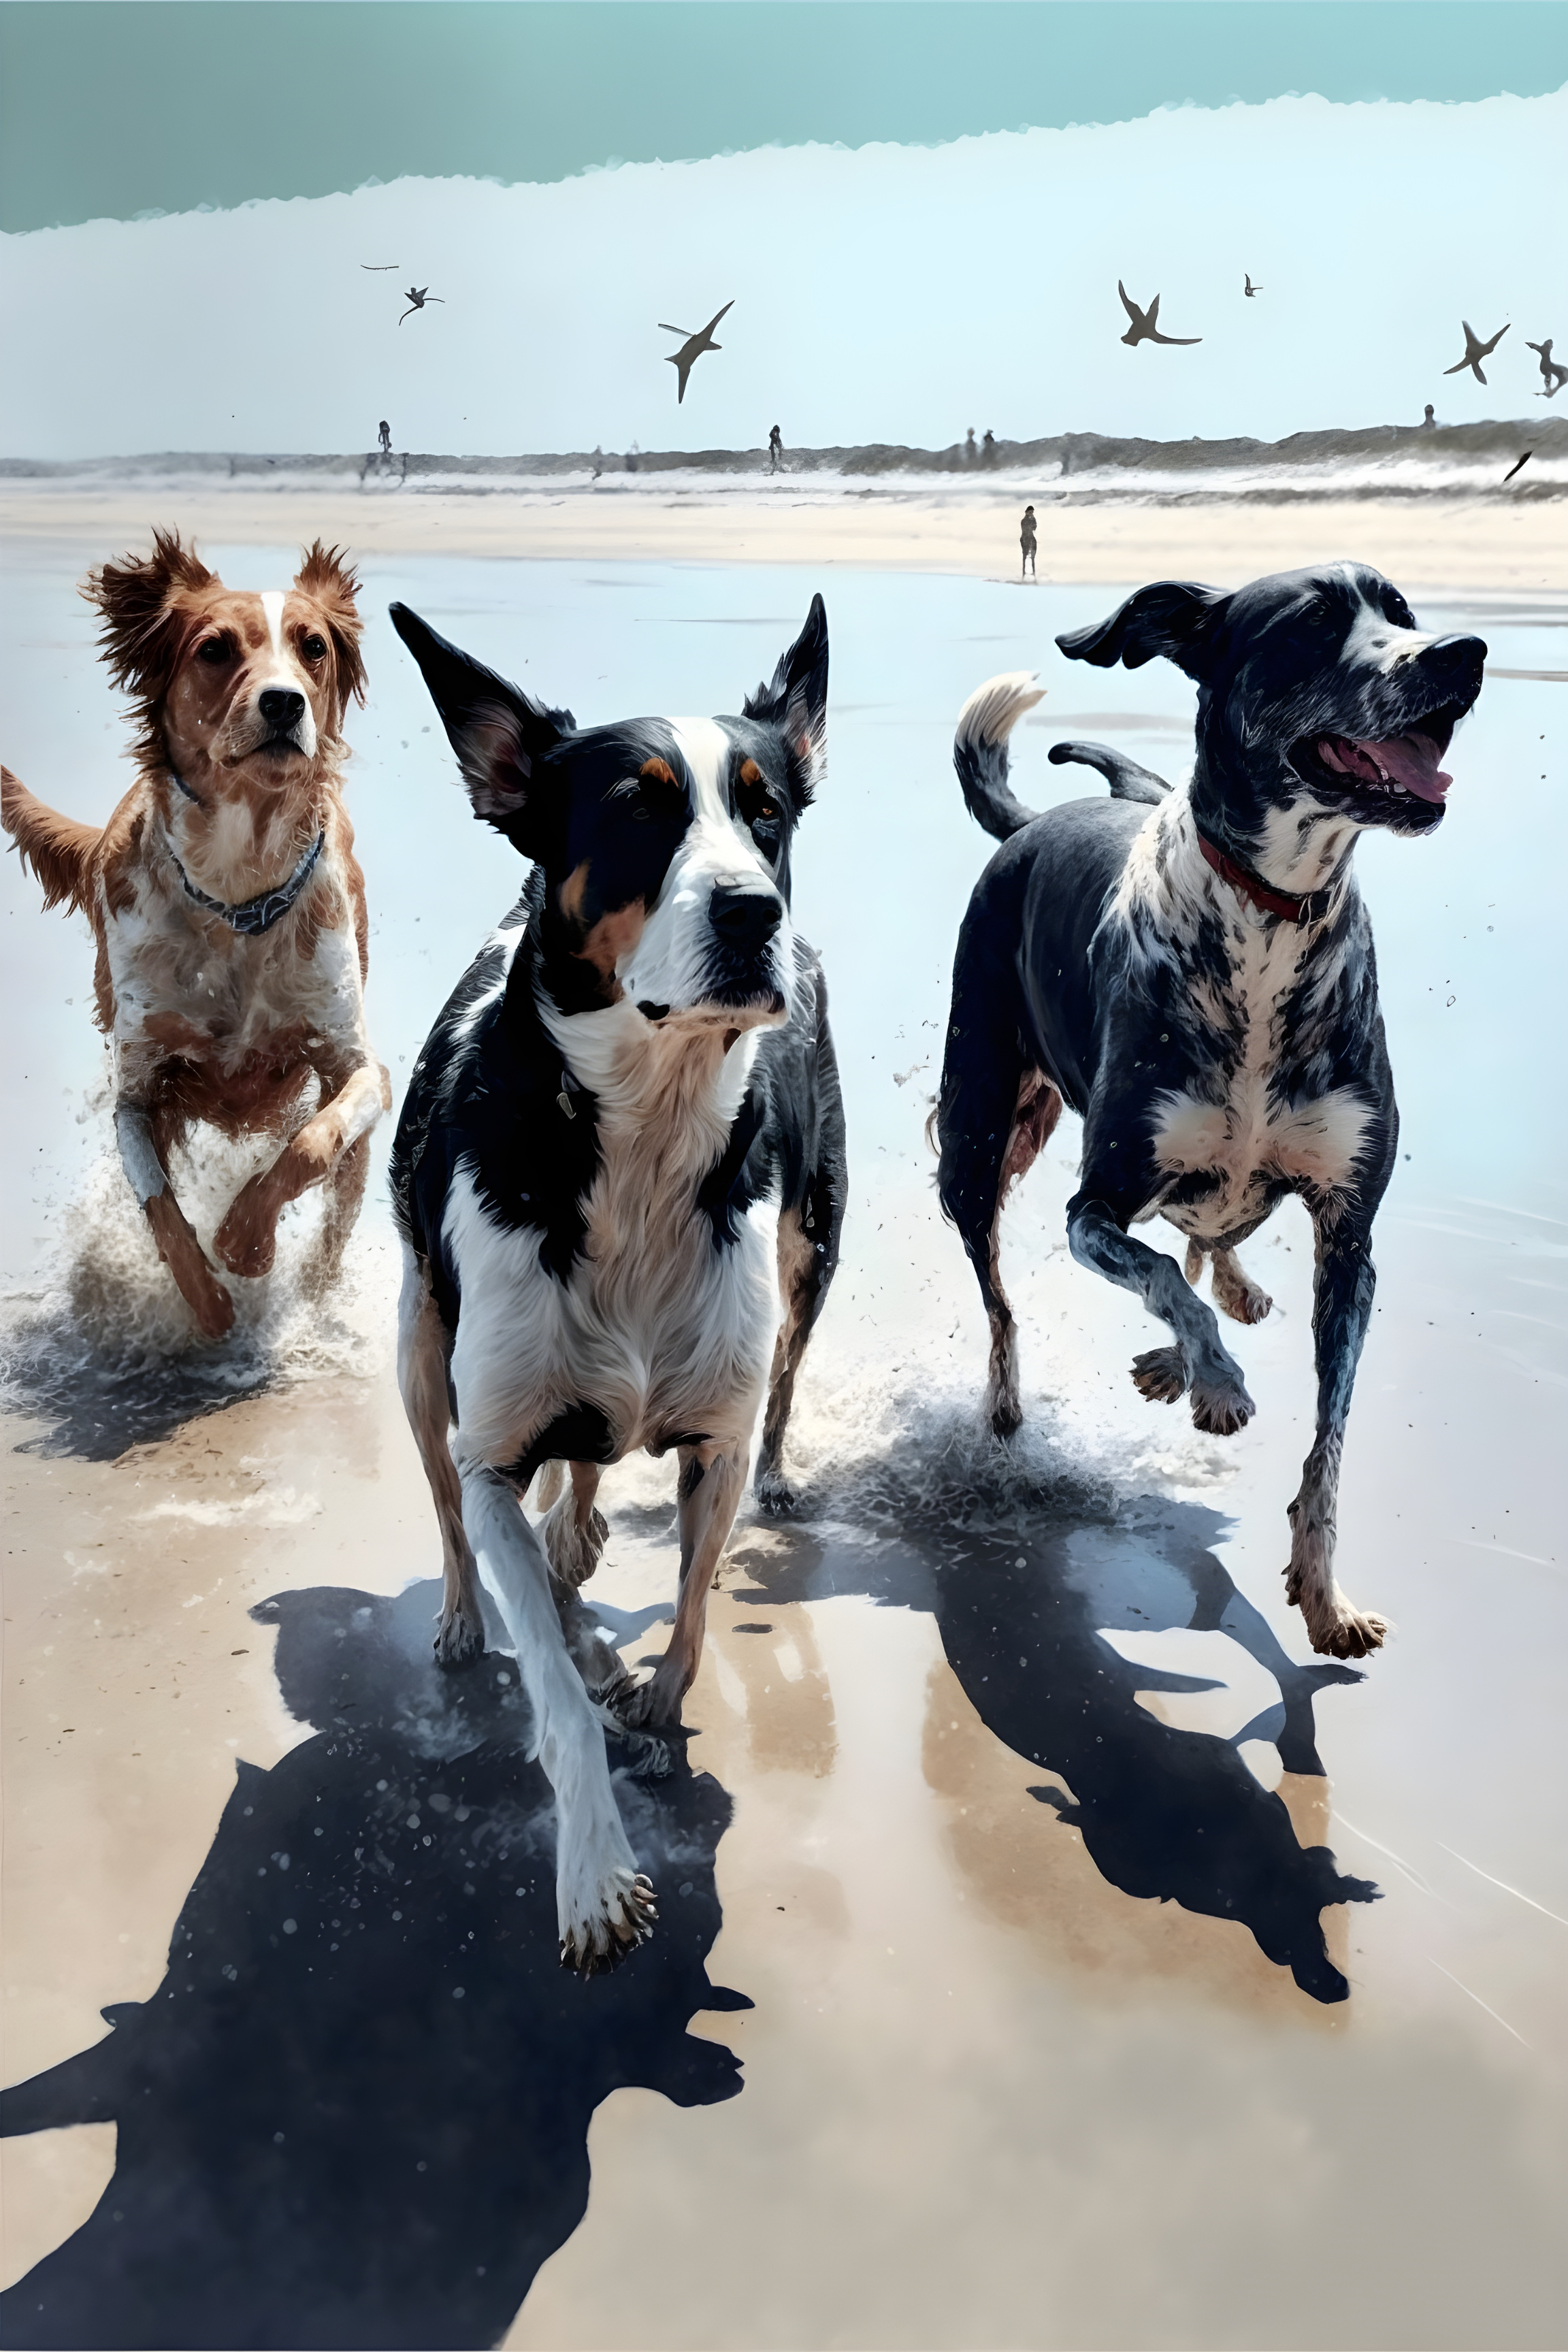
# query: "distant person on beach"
1026,540
969,446
384,430
775,450
1428,420
989,446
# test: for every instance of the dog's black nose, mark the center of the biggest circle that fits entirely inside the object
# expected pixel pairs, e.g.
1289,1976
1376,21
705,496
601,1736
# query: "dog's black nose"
282,707
1456,661
745,920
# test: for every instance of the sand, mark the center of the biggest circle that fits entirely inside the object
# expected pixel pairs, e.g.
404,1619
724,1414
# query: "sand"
1421,542
994,2093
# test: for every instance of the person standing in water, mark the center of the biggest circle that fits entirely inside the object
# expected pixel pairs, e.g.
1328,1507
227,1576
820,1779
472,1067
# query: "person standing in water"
384,430
775,450
1026,540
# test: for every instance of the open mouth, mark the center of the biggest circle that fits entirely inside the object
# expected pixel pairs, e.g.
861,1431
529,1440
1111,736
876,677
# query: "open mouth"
1404,765
713,1012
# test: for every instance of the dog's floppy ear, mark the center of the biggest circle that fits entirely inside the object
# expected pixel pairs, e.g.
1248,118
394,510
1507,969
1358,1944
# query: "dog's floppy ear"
796,699
1178,618
329,578
142,628
497,732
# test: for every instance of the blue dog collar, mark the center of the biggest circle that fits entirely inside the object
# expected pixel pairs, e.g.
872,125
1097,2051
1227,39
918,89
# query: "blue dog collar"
258,914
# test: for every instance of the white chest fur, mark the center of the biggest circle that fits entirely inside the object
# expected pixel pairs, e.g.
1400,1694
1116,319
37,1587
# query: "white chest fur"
1260,1123
229,995
661,1326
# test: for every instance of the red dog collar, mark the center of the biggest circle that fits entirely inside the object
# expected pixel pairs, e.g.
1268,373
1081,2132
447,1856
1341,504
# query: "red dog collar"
1248,885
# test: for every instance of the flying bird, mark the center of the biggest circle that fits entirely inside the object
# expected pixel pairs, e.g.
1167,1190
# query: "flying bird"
1524,461
1146,327
1474,352
1553,374
1249,287
417,298
380,264
691,349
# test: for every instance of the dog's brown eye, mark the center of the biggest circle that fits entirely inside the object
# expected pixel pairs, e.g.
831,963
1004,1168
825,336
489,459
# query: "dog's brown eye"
767,812
213,650
314,648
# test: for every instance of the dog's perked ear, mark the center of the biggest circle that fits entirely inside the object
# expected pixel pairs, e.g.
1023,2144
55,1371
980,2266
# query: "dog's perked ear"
142,628
329,578
796,699
1178,618
498,733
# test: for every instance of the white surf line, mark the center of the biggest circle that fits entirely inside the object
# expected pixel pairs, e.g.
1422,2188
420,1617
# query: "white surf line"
1471,1543
1413,1875
1491,2013
1504,1885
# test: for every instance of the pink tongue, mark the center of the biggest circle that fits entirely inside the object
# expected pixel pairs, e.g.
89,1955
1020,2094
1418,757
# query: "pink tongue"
1412,760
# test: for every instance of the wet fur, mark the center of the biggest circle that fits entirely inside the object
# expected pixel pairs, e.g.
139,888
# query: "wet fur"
1221,1055
638,1062
250,1035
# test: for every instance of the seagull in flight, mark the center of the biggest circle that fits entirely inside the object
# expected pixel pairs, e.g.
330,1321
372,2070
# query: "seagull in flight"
1474,352
1554,374
1146,327
417,298
381,266
1249,287
691,349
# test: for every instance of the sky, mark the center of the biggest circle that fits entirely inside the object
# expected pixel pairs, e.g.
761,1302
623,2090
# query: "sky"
903,263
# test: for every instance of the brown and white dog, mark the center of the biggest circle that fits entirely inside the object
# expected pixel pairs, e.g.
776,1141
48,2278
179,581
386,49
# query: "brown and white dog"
229,910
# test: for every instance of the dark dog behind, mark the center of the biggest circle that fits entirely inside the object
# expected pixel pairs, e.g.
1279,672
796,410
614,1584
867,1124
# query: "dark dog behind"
636,1063
1196,980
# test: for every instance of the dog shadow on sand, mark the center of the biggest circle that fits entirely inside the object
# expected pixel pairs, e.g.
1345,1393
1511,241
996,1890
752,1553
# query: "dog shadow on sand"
356,2112
1025,1598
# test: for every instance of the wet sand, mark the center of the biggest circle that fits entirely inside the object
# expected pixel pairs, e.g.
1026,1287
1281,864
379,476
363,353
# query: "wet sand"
1424,542
1019,2068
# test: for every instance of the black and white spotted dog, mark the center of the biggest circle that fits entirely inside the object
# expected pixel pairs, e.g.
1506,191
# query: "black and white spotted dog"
1197,979
636,1063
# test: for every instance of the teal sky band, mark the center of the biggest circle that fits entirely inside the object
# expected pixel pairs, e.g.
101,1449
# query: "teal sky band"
112,107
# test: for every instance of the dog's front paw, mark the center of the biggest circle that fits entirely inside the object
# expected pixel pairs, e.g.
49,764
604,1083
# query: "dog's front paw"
1243,1300
1161,1375
1221,1407
619,1918
459,1640
247,1240
208,1301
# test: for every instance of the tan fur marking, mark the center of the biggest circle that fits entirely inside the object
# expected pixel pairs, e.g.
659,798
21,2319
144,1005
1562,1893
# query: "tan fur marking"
750,772
658,771
573,891
611,937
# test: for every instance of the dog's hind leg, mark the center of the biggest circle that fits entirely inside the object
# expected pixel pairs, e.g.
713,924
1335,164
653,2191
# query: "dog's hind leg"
711,1478
573,1532
994,1123
1342,1309
144,1136
423,1353
1243,1300
603,1905
808,1254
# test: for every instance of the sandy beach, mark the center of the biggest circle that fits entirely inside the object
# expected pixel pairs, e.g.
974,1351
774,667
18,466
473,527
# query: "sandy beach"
1437,542
1002,2078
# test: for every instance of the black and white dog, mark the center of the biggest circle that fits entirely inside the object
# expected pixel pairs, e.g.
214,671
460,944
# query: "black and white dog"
1197,979
638,1060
